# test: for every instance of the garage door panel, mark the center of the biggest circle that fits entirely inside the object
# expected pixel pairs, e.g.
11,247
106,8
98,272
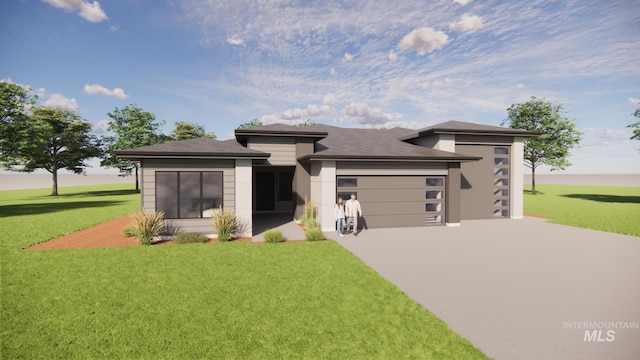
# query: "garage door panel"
396,201
392,195
394,208
385,221
386,182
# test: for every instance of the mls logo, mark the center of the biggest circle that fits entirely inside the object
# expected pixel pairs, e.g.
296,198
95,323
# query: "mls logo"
599,336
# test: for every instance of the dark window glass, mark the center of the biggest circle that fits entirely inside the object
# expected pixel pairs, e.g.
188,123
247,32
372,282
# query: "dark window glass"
501,150
501,171
167,193
211,190
437,194
347,182
435,181
501,161
188,194
433,207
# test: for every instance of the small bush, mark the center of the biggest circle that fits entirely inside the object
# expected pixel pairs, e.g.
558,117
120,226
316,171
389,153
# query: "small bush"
226,224
190,238
146,224
314,234
273,236
308,219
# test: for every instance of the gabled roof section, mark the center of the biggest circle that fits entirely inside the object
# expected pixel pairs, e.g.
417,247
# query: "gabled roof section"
467,128
194,148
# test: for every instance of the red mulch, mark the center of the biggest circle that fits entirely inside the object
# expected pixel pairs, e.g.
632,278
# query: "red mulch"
108,234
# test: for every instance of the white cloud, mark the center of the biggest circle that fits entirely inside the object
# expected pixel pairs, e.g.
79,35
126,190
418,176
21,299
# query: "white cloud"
520,86
604,136
89,11
332,71
328,99
297,116
348,56
634,101
58,100
467,23
461,2
100,127
235,40
97,89
393,56
361,113
423,40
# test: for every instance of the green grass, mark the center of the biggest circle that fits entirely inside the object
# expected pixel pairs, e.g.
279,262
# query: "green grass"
214,300
607,208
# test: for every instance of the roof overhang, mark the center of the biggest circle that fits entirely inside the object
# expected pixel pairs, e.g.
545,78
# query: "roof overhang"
243,134
137,156
439,159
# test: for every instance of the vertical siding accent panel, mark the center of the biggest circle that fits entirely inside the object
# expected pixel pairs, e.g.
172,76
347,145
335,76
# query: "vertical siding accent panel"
282,150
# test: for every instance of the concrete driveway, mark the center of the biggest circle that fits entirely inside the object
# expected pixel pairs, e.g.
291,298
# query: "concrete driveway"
518,289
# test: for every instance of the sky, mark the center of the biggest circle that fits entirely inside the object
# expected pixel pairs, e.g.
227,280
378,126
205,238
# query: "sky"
357,63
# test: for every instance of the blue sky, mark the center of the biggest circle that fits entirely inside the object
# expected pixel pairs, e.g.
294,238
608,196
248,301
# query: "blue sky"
354,63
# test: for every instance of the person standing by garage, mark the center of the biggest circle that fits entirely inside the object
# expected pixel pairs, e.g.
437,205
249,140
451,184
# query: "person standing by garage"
340,216
353,210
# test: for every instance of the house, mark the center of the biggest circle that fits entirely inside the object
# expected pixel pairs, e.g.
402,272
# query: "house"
440,175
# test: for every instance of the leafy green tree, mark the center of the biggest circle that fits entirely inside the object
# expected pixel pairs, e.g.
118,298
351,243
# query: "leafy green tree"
15,102
307,123
57,139
635,126
133,127
558,134
185,130
252,123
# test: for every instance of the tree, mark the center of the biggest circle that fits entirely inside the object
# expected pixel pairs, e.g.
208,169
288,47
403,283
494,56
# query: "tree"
185,130
307,122
635,126
252,123
57,139
15,102
133,127
558,134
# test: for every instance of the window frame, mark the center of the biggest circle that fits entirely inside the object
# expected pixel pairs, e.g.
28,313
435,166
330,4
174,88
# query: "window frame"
178,194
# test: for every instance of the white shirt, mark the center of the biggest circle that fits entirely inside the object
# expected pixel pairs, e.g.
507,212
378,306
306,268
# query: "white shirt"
353,208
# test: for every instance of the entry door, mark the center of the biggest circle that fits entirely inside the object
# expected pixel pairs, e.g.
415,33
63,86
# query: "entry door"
265,186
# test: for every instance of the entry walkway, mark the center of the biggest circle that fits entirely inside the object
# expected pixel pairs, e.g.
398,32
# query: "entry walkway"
279,221
517,289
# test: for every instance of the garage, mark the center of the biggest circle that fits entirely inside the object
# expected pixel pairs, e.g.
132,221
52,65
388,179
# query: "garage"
396,201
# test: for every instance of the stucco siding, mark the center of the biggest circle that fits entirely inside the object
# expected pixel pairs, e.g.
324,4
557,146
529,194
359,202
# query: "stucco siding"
282,150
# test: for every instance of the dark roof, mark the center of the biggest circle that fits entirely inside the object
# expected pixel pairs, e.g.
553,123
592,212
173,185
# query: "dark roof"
460,127
200,147
375,144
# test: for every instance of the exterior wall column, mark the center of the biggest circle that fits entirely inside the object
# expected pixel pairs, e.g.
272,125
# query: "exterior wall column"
446,142
323,192
516,187
452,189
244,196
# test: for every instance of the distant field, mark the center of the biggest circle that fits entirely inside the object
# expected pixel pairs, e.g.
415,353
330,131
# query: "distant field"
607,208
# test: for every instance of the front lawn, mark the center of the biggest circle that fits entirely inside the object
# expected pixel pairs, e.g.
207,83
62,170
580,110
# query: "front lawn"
607,208
214,300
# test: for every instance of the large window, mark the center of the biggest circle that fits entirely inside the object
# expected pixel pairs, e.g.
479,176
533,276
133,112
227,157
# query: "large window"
187,194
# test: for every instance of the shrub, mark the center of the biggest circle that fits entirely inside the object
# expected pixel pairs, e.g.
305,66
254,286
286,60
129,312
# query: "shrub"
308,219
190,238
314,234
226,224
273,236
145,225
